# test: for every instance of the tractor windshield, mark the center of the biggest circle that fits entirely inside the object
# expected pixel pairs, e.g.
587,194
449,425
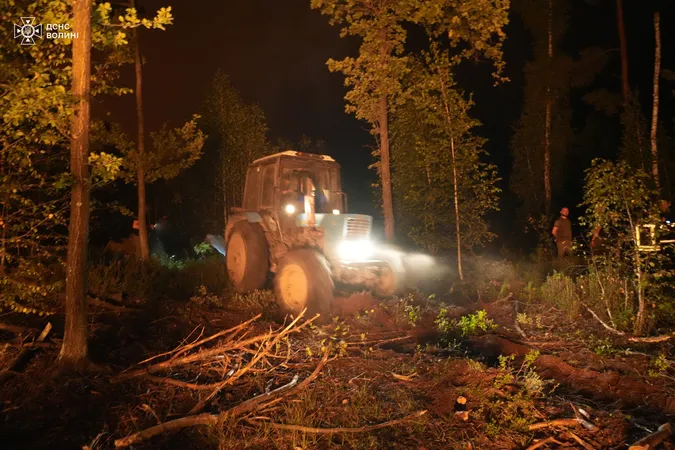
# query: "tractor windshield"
298,180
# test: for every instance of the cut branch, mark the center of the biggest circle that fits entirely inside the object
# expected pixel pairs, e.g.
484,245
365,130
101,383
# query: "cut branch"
364,429
250,405
653,440
554,423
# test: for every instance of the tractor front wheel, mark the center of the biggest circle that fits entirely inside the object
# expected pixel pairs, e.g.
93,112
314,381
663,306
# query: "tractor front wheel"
247,257
303,280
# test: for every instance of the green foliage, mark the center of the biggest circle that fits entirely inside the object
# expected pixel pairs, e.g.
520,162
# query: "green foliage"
658,366
375,77
560,290
514,411
471,323
240,132
432,124
619,199
36,109
173,150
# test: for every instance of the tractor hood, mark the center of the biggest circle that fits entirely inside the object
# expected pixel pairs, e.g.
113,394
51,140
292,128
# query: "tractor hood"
346,236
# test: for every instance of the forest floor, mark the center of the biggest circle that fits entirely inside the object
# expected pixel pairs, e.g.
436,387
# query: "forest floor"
418,372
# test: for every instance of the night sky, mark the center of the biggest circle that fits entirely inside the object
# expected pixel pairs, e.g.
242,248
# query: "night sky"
275,54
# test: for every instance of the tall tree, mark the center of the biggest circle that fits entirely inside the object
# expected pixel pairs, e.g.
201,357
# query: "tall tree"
621,28
140,144
437,160
543,129
655,100
74,349
241,133
375,75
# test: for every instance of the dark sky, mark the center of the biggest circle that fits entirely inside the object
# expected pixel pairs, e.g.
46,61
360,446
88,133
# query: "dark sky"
275,53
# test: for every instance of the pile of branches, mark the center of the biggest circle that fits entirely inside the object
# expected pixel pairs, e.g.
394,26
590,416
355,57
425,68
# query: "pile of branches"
209,365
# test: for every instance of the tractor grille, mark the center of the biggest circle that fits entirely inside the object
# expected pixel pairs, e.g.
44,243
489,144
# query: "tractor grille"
357,227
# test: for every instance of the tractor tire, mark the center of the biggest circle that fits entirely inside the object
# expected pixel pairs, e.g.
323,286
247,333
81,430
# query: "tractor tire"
247,257
303,280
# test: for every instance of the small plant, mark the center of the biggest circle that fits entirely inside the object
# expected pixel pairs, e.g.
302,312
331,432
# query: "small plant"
523,319
471,323
658,366
602,346
443,323
413,313
203,249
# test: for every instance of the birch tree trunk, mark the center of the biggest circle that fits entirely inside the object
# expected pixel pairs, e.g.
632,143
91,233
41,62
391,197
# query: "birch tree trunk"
455,188
142,219
547,126
74,352
655,100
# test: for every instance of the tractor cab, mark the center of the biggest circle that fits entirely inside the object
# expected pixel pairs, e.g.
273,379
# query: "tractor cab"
294,225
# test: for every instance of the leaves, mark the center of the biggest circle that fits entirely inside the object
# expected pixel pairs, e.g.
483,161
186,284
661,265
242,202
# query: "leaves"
434,119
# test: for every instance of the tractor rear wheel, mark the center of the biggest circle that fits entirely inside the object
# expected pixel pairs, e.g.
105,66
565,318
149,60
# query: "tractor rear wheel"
247,257
303,280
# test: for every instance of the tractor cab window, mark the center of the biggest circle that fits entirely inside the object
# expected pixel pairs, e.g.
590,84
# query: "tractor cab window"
252,189
291,189
267,200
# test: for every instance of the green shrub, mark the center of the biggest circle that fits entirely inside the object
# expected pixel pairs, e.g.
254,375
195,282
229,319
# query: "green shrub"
560,290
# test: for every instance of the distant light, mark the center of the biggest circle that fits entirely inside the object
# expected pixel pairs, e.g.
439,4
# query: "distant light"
336,211
290,209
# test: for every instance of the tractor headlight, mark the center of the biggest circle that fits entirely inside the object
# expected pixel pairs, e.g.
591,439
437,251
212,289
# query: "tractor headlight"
361,250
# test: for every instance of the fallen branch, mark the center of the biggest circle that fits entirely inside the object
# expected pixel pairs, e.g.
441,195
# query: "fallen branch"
24,356
653,440
380,341
580,441
12,328
647,340
602,322
548,440
212,419
109,306
653,339
261,352
554,423
364,429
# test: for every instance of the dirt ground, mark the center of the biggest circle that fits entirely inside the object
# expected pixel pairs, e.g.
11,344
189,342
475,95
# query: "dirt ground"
385,361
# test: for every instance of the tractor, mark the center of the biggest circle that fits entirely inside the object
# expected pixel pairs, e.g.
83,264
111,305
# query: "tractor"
293,226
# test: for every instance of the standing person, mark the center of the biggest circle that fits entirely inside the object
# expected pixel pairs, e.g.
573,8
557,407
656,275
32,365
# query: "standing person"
562,231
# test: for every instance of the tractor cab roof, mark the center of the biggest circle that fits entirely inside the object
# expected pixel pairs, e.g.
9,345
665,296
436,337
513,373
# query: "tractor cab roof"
294,154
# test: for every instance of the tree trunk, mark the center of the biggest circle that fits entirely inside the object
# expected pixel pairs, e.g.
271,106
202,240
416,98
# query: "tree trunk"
455,189
385,171
547,126
655,103
625,90
74,349
456,197
142,219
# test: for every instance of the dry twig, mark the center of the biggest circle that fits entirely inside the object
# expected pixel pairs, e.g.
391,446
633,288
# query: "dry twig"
245,407
363,429
653,440
554,423
548,440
